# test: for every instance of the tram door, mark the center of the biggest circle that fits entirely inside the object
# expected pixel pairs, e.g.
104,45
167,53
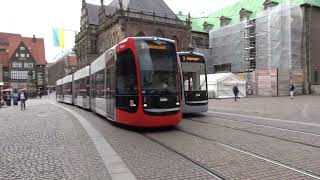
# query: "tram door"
110,91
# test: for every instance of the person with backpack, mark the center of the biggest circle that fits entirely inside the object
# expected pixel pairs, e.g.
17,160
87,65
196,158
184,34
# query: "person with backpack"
23,97
235,90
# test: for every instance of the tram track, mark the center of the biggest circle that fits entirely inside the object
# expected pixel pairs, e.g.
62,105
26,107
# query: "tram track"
272,161
265,119
201,166
268,126
217,174
261,134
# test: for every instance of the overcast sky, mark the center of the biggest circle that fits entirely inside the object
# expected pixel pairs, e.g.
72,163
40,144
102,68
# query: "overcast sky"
37,17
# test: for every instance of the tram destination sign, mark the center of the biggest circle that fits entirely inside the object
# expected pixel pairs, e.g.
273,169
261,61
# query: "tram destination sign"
188,58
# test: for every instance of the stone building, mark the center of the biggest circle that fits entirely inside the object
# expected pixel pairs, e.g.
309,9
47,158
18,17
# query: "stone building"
23,61
62,67
200,28
102,26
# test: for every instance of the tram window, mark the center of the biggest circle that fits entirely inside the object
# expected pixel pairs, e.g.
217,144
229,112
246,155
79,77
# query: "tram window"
99,84
126,74
93,86
108,80
88,86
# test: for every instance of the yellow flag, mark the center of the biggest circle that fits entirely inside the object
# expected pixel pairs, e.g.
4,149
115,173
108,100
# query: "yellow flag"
61,38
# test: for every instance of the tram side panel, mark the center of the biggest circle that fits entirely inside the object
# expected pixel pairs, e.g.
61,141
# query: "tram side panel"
98,90
81,92
67,89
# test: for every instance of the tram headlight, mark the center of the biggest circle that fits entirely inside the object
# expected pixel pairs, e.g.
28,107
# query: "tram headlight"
145,105
177,103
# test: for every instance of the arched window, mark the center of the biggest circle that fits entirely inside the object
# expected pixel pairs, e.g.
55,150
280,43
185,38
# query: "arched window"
159,33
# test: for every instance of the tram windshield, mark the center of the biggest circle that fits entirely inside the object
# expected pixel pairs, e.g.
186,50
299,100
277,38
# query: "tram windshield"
194,74
158,66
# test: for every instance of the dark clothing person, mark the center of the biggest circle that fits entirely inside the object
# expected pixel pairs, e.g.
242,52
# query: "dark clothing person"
5,97
40,94
291,89
23,97
235,92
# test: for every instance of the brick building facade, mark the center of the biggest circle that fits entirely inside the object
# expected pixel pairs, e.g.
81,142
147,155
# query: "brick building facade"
23,62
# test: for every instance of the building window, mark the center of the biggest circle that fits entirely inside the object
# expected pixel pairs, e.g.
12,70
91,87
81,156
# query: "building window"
28,65
268,4
22,48
17,54
245,14
207,27
93,46
16,64
19,75
28,55
224,21
222,68
40,78
316,78
22,55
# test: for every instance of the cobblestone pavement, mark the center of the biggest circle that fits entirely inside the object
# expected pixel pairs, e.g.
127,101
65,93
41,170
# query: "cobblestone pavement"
296,155
302,108
296,133
145,158
229,163
45,142
148,160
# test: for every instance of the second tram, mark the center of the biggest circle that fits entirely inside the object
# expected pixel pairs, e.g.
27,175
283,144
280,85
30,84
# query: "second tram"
194,84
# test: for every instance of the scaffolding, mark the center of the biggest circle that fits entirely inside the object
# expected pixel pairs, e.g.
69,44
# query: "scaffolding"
273,40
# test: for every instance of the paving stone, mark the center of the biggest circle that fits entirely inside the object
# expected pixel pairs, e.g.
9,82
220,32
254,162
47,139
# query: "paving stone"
45,142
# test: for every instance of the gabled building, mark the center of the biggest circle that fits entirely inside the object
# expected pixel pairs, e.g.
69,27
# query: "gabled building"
23,62
103,26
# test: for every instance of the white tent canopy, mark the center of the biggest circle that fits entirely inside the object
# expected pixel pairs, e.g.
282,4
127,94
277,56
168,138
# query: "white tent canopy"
220,85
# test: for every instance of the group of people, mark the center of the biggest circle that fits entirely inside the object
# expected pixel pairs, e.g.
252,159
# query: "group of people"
22,97
235,90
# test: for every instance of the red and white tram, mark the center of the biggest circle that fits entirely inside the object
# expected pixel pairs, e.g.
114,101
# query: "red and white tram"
137,82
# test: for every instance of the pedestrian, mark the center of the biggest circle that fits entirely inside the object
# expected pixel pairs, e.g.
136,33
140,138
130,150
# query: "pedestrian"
23,97
5,97
291,89
235,90
40,94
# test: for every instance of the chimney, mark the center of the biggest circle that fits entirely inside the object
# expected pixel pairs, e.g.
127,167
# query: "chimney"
34,39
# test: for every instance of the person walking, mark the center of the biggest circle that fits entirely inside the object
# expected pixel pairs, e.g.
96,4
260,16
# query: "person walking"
40,94
23,97
291,89
235,90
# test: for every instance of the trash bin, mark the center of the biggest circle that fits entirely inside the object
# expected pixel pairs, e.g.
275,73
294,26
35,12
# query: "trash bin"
8,102
15,98
15,101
